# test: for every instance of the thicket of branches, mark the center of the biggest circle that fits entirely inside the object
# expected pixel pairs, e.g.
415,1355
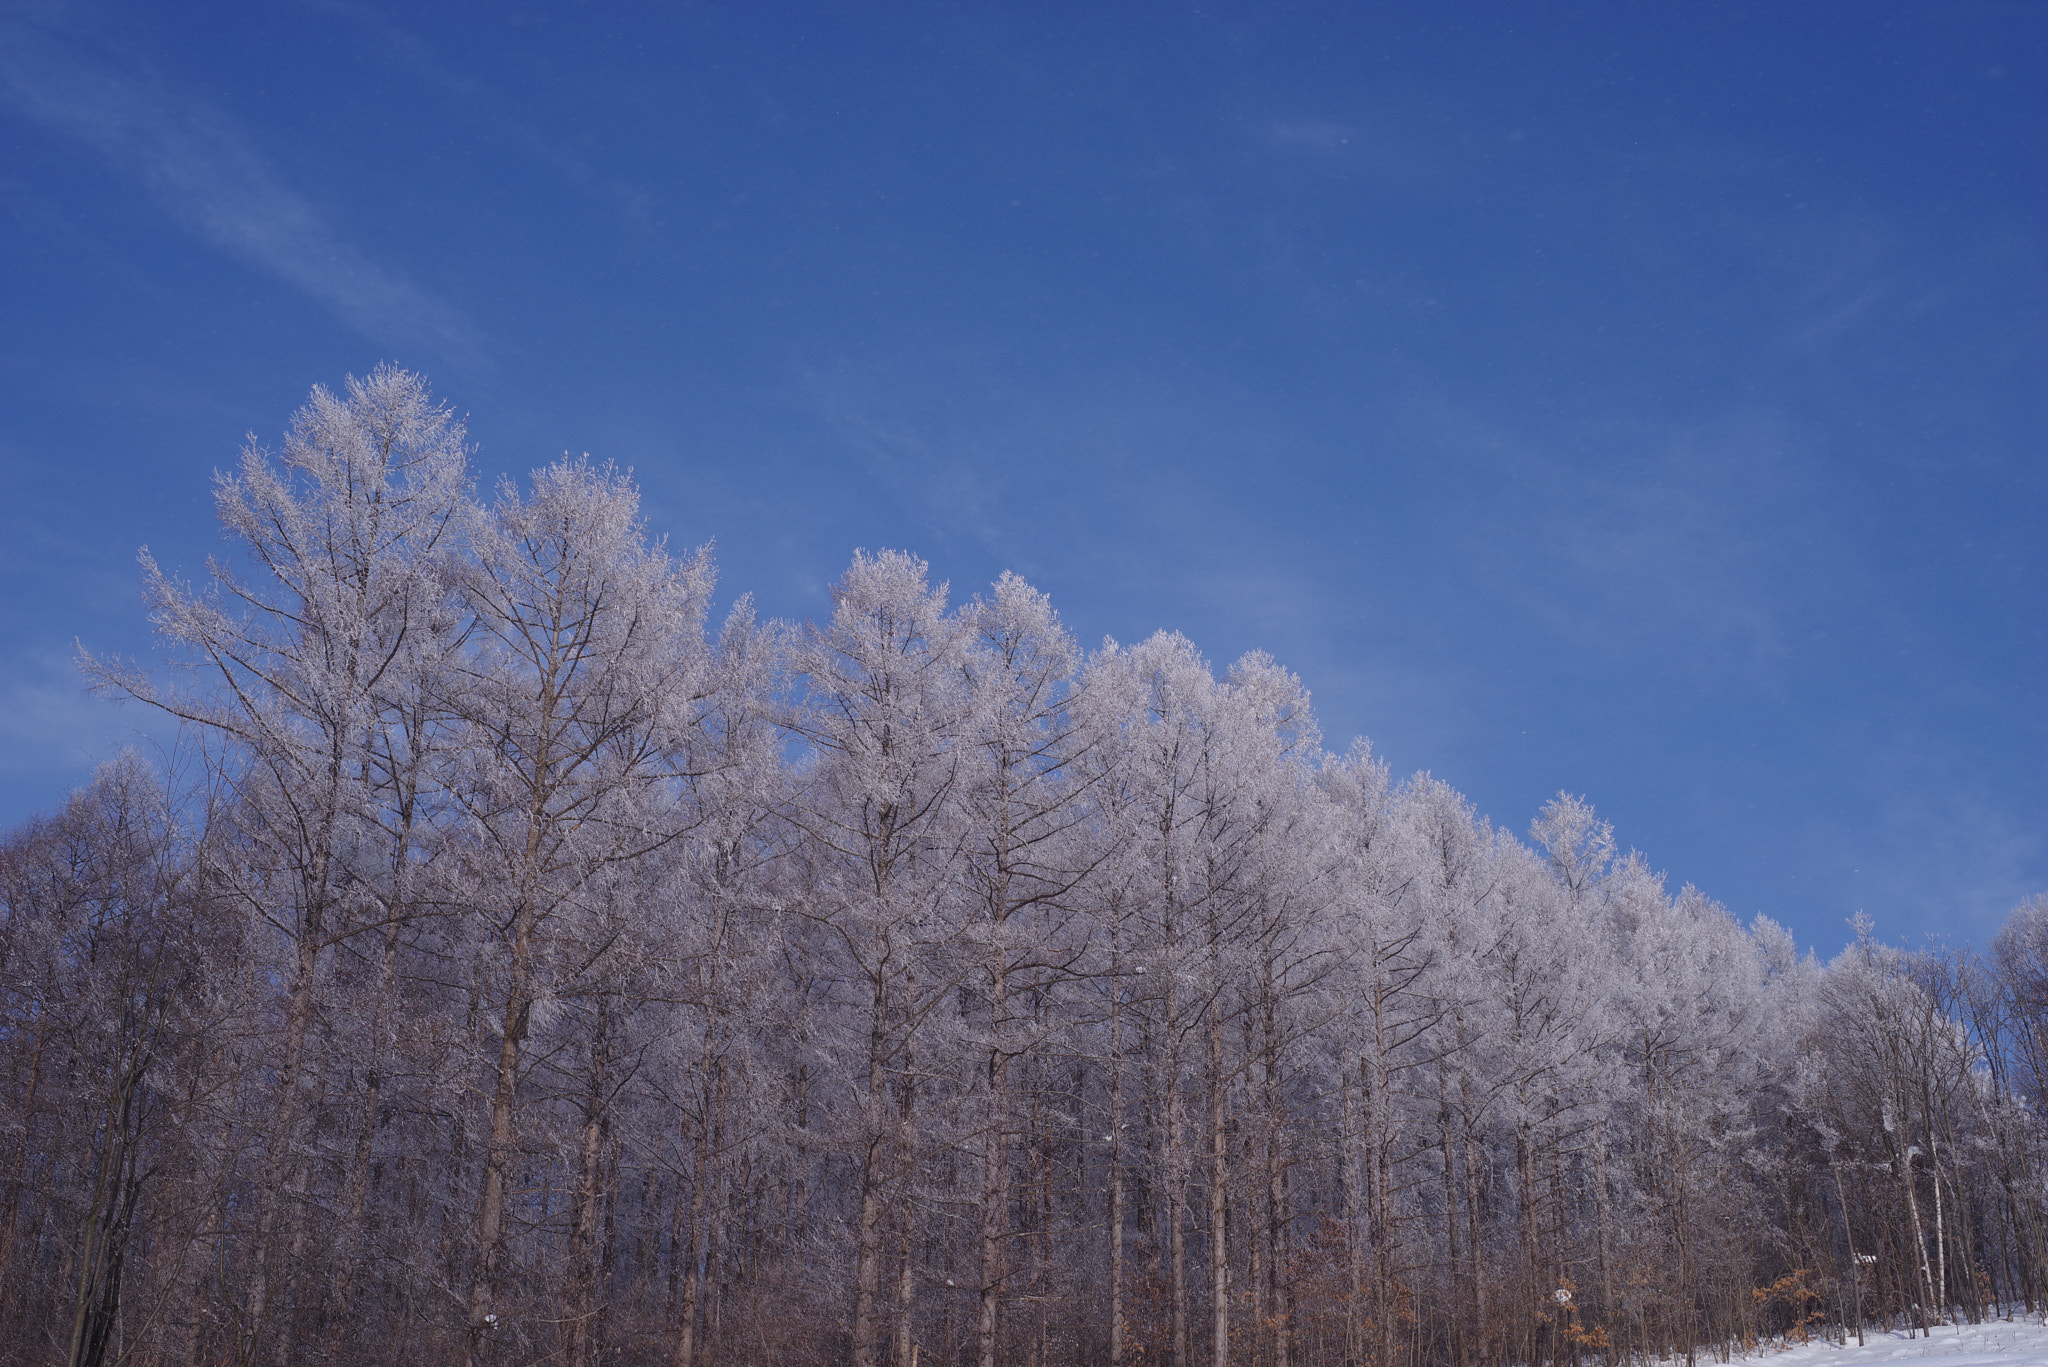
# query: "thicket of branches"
526,971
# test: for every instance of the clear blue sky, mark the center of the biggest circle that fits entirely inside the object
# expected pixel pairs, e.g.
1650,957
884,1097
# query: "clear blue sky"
1641,400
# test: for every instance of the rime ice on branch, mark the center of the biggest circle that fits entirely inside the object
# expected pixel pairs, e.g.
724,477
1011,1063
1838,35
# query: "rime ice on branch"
519,970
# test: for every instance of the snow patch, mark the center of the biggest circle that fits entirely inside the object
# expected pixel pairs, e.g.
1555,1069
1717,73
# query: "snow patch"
1995,1343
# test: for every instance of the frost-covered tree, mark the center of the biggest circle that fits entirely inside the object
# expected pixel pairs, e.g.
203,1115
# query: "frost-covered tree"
576,706
525,973
888,707
295,658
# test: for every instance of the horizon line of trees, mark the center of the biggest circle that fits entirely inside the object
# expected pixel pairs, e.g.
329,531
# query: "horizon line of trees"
511,967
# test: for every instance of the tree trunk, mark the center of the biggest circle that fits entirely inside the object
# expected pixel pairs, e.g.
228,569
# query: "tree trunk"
1219,1168
1176,1197
995,1176
498,1158
876,1156
1919,1238
1452,1259
284,1134
355,1197
109,1216
691,1246
586,1243
905,1175
1116,1171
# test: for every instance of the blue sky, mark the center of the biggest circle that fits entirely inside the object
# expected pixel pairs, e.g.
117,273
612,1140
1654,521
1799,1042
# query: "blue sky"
1641,400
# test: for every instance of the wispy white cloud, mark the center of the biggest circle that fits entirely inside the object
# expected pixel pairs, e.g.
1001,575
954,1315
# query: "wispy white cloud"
932,458
482,106
1693,541
1938,852
208,174
53,733
1389,154
1310,135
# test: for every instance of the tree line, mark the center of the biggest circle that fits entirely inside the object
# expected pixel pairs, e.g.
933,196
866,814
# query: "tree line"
511,965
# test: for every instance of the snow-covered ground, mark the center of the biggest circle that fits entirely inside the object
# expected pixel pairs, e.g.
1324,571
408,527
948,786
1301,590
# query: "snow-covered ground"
2019,1342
